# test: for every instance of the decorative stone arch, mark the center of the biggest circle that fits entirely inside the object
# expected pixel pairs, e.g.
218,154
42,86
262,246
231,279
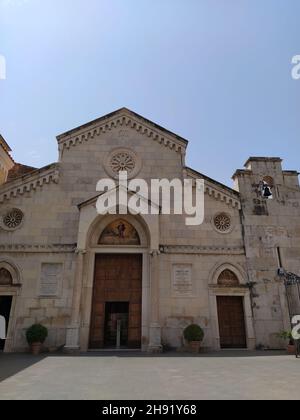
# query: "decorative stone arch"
91,223
13,270
86,267
228,278
235,269
11,288
91,226
5,277
102,222
216,289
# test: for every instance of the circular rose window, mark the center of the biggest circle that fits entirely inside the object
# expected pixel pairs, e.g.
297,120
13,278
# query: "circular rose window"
12,219
123,160
222,222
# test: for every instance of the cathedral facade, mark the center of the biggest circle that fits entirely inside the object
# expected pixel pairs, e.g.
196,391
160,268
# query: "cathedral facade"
136,281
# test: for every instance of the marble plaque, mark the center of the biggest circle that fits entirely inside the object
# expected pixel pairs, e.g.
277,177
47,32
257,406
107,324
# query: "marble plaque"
51,276
182,283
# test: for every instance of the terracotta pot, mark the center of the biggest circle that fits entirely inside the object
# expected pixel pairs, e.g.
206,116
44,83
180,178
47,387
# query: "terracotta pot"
291,349
36,348
195,346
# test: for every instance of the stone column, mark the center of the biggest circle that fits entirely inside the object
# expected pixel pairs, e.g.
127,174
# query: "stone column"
155,345
73,331
251,339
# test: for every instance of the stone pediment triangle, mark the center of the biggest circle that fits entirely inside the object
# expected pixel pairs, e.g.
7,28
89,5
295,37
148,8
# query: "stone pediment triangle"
122,118
92,201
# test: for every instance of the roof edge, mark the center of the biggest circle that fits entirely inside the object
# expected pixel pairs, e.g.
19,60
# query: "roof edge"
30,174
223,186
4,144
262,159
112,114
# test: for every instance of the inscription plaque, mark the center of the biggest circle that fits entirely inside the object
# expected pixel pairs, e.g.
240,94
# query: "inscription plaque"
51,276
182,284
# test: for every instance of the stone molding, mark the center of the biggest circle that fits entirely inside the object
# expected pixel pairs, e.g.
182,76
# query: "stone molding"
221,196
216,191
38,248
194,249
117,122
29,183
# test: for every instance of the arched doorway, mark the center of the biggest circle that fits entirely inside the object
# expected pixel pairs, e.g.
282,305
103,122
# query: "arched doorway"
9,290
231,314
230,307
5,303
118,284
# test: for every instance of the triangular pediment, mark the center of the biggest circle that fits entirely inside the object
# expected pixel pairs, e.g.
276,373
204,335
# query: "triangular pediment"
118,119
93,200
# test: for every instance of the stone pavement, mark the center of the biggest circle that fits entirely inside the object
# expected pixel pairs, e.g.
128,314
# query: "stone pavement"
223,375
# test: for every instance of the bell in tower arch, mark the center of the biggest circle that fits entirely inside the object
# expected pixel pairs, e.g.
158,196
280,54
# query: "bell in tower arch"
266,191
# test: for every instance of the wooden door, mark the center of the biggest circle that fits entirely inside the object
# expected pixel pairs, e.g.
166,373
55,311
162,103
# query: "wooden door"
231,322
118,278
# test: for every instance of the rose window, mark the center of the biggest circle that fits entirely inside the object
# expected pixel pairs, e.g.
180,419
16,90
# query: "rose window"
13,219
122,162
222,222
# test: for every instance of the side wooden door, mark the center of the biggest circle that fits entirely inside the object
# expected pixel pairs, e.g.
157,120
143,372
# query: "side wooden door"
231,322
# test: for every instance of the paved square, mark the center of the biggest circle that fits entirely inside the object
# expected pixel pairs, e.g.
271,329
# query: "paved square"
226,375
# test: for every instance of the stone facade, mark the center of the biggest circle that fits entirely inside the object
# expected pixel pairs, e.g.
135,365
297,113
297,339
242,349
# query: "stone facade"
50,230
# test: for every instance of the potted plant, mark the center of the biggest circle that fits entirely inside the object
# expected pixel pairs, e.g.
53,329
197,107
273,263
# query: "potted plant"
36,336
194,335
287,336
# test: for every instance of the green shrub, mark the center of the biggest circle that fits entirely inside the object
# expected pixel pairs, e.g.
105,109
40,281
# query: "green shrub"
193,333
36,334
286,335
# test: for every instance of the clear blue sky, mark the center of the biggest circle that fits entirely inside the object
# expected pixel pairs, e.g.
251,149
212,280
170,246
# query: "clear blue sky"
217,72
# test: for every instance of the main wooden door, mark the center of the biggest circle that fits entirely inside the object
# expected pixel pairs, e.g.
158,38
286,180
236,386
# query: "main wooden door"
117,297
231,322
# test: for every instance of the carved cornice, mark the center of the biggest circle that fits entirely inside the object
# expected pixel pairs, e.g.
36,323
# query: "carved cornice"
194,249
101,127
38,248
216,190
221,196
29,183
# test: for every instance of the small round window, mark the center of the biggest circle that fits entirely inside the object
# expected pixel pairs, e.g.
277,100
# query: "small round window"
12,219
222,222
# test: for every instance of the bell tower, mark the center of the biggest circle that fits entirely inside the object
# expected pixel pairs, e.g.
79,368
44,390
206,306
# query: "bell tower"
270,198
6,161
